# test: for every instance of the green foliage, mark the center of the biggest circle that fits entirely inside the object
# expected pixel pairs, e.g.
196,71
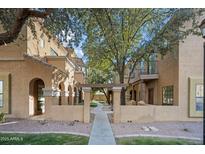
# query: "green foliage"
42,139
7,18
2,117
155,141
125,36
93,104
66,25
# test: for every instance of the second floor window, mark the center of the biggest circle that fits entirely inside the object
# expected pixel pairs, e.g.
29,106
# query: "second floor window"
1,93
168,95
53,52
42,41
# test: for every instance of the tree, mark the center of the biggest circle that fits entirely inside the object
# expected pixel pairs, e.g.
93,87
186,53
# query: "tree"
99,74
125,36
13,20
62,23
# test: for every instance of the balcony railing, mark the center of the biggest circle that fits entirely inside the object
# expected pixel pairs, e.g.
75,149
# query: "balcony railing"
149,69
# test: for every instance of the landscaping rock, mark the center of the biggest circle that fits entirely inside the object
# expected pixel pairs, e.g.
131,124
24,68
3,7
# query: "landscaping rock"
154,129
131,102
141,103
145,128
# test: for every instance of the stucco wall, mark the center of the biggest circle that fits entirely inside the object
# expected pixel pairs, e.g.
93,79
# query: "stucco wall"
57,62
79,77
22,72
190,65
150,113
65,112
33,43
168,75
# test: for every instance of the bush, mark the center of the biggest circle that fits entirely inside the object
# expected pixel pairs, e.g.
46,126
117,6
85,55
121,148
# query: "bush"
2,117
93,104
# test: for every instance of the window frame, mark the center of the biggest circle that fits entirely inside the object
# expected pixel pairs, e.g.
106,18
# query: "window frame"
2,94
42,41
172,95
195,97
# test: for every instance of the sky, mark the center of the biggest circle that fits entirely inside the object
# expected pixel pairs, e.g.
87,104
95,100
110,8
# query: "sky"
79,52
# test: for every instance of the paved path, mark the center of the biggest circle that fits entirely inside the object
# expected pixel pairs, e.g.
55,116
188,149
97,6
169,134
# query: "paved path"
101,133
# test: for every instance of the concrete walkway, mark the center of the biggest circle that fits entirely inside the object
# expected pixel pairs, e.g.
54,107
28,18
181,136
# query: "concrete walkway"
101,133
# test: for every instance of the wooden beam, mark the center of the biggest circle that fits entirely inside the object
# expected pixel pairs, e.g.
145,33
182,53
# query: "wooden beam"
102,85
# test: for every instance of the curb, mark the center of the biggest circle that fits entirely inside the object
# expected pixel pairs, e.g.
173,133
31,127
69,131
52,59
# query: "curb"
8,123
162,136
26,132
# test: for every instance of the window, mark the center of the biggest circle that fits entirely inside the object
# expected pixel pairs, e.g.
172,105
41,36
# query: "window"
1,93
199,97
42,41
142,67
53,52
167,95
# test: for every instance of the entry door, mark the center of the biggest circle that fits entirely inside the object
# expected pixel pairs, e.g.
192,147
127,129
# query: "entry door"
151,96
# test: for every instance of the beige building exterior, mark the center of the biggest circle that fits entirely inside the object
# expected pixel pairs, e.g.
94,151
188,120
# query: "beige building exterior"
38,76
171,86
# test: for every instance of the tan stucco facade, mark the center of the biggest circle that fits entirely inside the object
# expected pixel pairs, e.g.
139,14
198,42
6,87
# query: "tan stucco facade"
29,67
182,69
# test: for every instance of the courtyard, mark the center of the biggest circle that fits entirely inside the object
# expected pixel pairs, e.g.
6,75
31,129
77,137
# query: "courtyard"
125,76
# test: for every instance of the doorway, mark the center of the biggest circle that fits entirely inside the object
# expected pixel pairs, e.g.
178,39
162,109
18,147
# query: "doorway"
151,96
36,98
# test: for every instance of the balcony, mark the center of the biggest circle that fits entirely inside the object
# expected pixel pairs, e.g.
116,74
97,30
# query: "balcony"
147,72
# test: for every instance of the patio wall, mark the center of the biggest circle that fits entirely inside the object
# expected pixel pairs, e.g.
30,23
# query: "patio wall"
65,112
151,113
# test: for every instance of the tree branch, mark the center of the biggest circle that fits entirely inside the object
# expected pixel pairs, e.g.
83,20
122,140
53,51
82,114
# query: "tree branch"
21,17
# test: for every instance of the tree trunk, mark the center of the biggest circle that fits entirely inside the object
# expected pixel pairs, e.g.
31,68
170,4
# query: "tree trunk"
107,98
122,96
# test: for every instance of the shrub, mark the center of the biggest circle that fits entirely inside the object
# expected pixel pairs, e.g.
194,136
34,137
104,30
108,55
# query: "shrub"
2,117
93,104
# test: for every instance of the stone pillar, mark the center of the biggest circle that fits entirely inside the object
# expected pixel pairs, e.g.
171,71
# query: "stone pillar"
142,91
86,107
48,105
116,104
50,100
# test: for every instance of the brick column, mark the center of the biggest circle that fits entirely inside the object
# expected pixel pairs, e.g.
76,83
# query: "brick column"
116,104
86,107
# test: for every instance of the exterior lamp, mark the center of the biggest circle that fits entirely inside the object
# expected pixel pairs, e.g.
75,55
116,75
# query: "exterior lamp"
202,28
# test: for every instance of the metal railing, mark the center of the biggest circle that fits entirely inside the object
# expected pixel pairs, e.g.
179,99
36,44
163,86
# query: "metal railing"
150,68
